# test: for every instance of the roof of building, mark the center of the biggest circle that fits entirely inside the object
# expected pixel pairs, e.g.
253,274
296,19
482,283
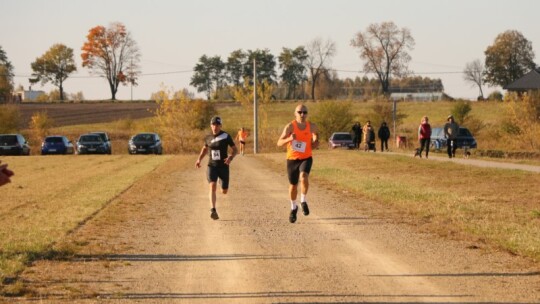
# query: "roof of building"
529,81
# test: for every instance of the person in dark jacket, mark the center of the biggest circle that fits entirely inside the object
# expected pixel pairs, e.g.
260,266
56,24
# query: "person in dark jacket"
357,134
384,135
424,136
451,129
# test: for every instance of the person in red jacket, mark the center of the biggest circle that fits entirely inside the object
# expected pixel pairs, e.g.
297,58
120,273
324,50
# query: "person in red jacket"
424,136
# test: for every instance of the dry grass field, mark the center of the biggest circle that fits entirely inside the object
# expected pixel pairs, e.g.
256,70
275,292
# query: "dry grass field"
51,196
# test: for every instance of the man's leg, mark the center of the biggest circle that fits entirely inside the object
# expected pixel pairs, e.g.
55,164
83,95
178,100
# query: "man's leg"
212,194
293,192
304,179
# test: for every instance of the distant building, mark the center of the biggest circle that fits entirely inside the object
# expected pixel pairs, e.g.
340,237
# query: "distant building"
26,96
529,82
417,96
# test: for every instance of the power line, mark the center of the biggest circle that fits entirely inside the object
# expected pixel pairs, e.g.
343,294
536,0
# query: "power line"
96,76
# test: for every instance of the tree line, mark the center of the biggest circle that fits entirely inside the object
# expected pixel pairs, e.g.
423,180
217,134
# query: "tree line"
304,72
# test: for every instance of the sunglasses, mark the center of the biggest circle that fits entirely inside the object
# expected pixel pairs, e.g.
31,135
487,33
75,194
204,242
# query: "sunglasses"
301,112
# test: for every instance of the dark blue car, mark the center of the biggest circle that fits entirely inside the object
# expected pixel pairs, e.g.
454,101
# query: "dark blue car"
464,140
56,144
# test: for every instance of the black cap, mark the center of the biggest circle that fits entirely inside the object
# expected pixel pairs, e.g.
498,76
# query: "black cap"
216,120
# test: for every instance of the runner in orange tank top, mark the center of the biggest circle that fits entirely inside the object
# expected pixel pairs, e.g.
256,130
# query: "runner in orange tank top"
241,137
301,137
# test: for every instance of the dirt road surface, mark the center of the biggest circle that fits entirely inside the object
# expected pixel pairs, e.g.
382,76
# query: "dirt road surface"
165,249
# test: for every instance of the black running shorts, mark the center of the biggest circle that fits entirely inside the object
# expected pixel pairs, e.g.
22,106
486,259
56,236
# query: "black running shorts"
221,172
295,166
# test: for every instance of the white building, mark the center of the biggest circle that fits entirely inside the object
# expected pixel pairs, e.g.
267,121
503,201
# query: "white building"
417,96
30,95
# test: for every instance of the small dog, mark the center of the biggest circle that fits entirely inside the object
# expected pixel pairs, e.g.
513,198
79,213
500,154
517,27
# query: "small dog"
417,153
466,153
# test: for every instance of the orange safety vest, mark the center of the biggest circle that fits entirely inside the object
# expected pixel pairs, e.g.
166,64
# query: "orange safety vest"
300,148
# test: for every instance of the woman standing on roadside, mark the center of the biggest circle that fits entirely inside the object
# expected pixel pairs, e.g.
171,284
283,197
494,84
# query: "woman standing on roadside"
424,135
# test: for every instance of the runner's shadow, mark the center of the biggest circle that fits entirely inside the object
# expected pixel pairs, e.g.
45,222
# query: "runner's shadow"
316,295
344,221
477,274
176,258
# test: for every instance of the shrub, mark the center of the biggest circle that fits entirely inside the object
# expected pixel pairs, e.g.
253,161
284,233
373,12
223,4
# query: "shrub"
179,120
10,119
522,123
333,116
461,110
40,124
495,96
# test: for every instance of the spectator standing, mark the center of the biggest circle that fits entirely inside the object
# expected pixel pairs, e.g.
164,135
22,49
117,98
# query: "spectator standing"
369,136
357,135
384,135
451,130
424,135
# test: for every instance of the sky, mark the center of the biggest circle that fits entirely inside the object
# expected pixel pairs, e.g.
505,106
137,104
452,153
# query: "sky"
173,34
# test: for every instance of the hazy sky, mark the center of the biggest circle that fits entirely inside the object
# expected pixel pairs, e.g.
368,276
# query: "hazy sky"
172,35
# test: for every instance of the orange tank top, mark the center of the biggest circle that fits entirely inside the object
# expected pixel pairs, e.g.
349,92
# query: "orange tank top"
300,148
242,135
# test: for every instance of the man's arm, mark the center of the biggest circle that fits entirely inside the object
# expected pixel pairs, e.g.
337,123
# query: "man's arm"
201,156
314,136
286,136
233,154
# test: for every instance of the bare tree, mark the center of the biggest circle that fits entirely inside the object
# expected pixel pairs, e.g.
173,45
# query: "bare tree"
384,49
473,74
319,56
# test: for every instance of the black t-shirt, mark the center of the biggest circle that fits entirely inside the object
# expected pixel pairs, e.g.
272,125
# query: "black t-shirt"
217,148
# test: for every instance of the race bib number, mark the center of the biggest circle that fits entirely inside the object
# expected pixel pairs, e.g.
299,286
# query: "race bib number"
216,155
299,146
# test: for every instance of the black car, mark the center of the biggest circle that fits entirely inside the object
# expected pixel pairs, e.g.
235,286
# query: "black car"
464,140
105,137
91,144
13,144
145,143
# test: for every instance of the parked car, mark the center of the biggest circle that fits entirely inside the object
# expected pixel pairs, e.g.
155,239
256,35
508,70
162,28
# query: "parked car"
13,144
91,144
56,145
341,140
105,137
464,140
145,143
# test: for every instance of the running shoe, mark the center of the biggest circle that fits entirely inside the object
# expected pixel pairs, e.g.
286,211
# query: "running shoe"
305,208
213,214
292,216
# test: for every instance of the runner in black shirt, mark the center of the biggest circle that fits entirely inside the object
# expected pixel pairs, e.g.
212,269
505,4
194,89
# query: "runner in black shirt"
217,145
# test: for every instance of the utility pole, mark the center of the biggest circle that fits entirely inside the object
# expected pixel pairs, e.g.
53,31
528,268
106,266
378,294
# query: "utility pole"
131,76
394,118
255,122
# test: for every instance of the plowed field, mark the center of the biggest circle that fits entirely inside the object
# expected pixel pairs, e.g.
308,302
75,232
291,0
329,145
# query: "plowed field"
86,113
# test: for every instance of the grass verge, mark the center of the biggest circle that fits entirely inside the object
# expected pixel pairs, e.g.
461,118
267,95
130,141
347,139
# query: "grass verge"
487,205
51,196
